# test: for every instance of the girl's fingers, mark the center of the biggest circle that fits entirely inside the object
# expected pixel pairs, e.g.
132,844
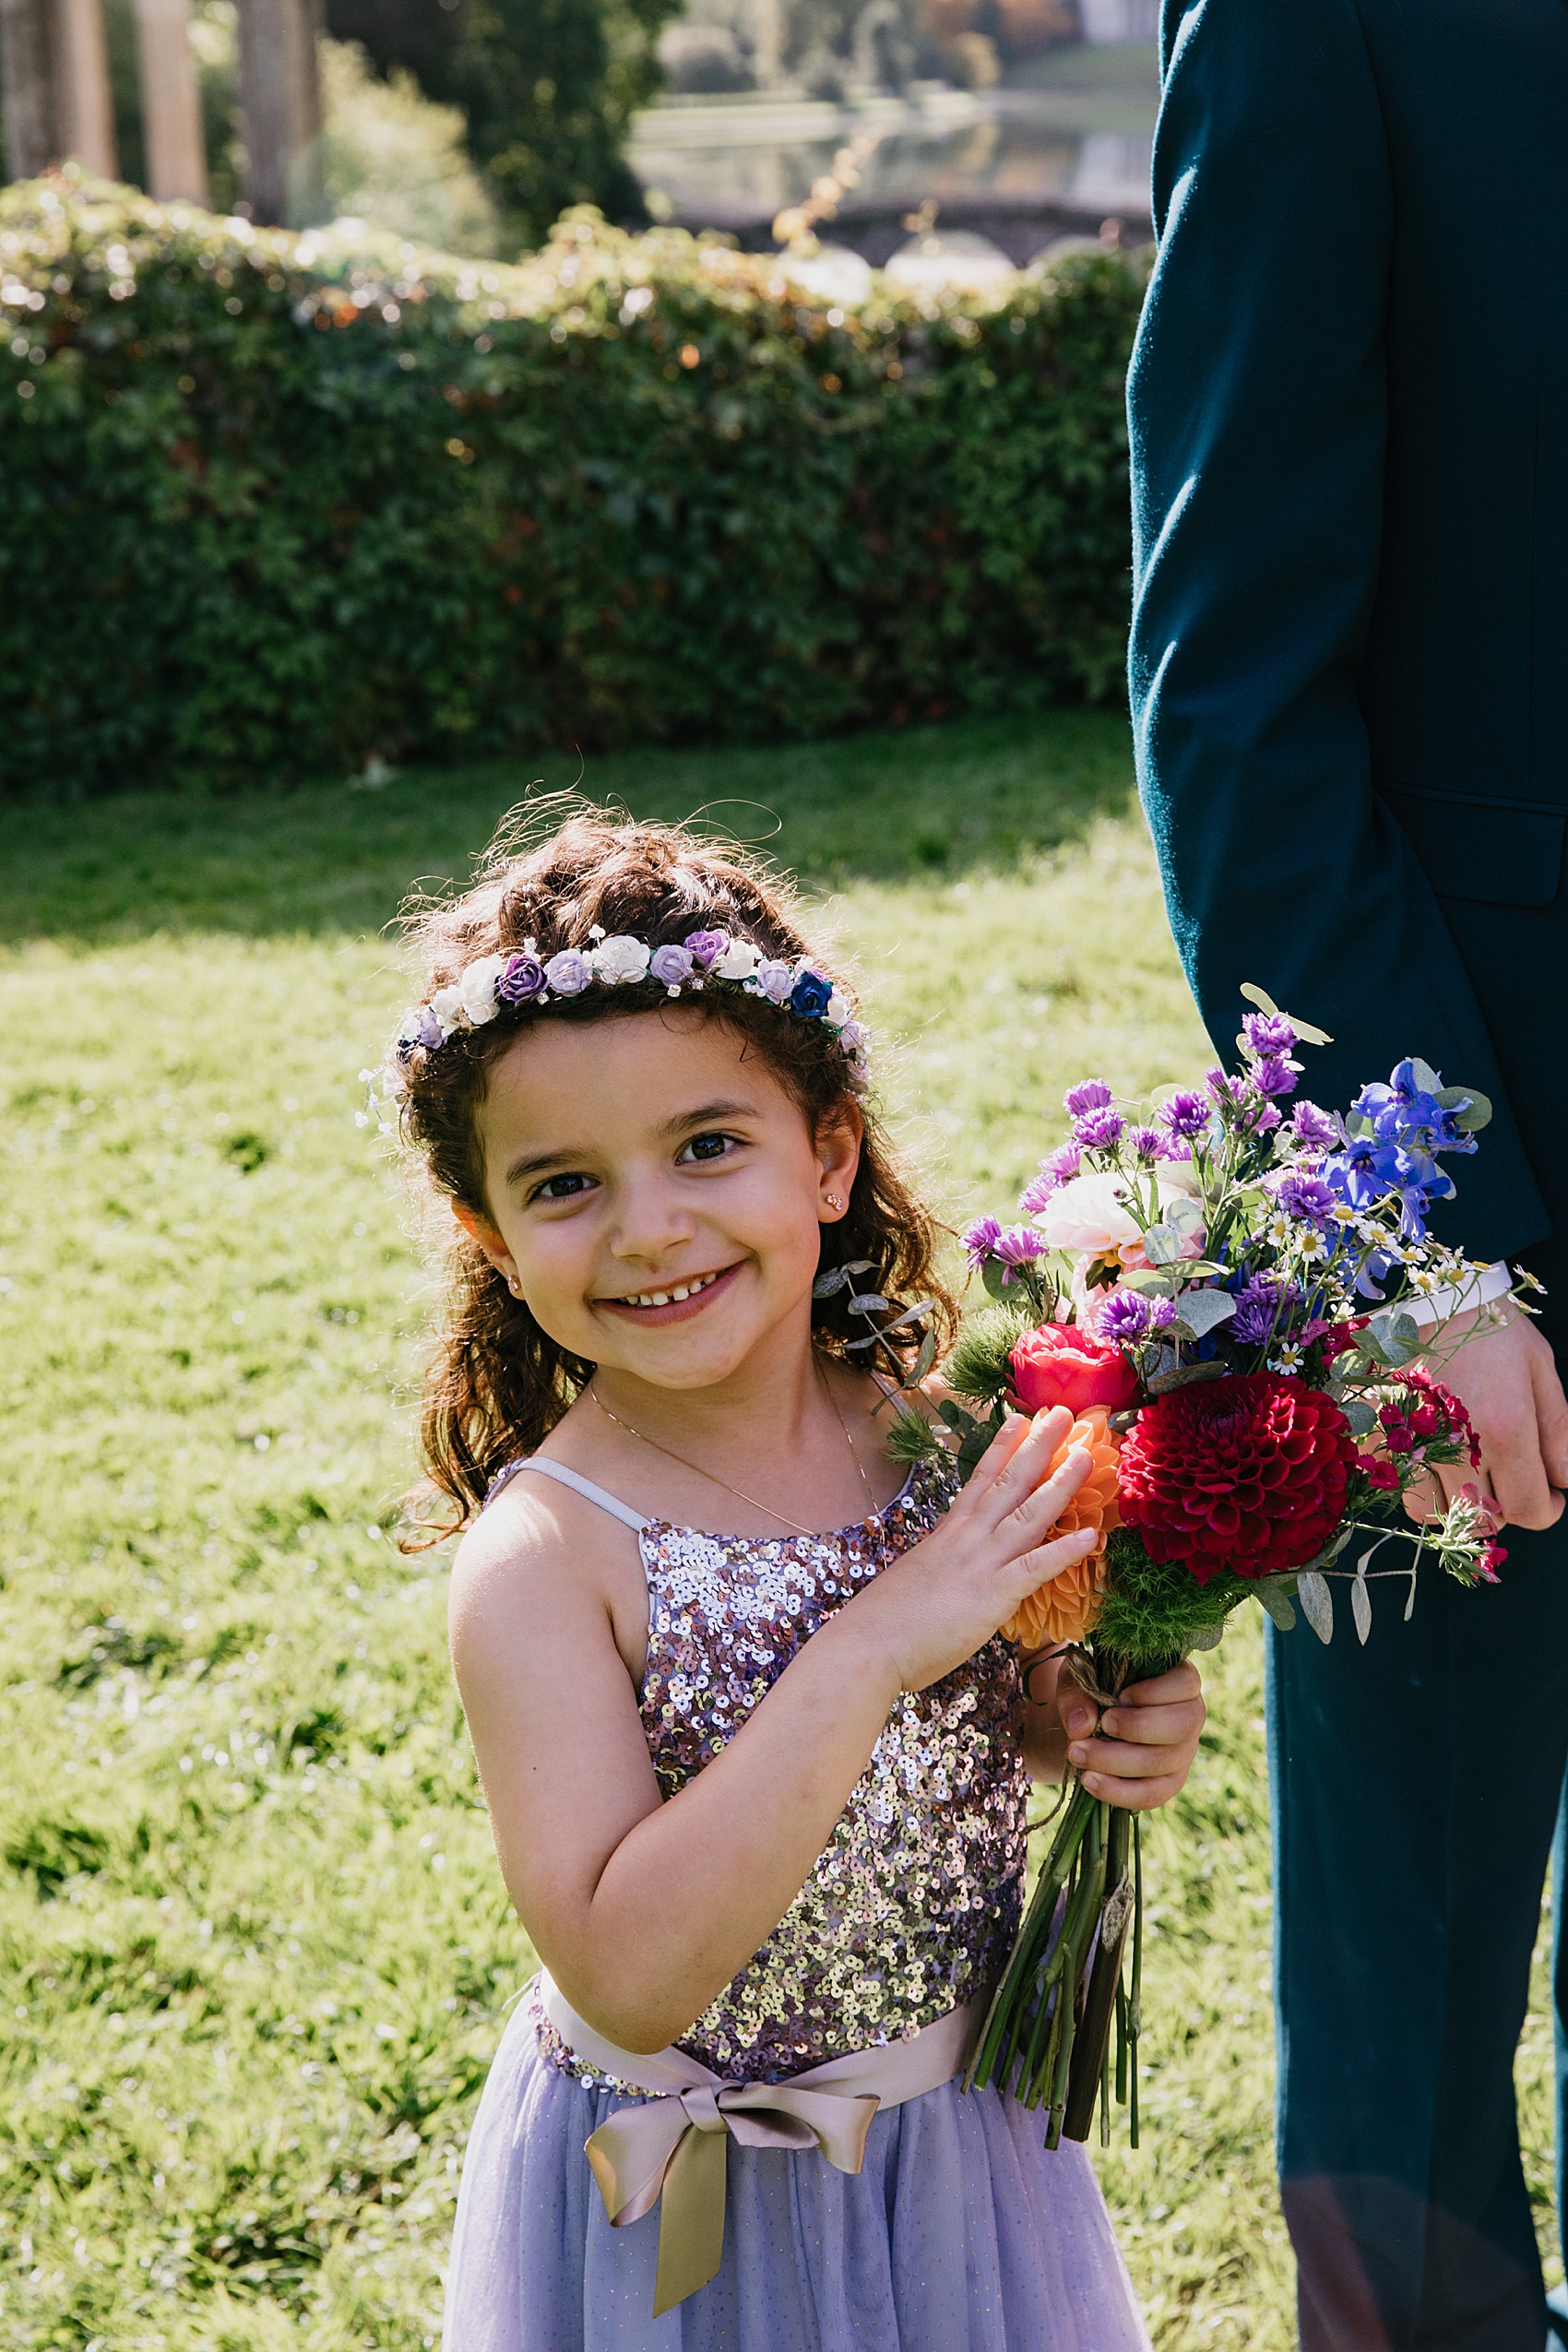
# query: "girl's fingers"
1182,1681
997,1455
1123,1760
1030,1518
1134,1796
1170,1727
1032,1569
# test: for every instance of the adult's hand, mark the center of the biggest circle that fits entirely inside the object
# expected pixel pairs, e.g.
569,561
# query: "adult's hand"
1503,1372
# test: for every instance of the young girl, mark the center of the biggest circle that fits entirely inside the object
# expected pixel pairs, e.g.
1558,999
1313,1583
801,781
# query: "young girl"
756,1757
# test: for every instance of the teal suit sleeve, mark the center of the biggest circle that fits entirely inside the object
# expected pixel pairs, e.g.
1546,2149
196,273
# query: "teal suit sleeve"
1258,411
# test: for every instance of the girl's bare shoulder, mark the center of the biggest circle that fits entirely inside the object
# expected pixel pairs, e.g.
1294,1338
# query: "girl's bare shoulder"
540,1553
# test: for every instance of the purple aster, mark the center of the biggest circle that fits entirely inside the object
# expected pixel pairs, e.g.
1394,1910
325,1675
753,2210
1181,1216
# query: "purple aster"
1273,1076
1268,1034
521,982
1097,1130
1124,1317
1061,1165
1306,1198
1148,1143
705,947
1314,1127
1185,1114
671,966
980,1239
1017,1246
1034,1194
1258,1308
568,973
1089,1094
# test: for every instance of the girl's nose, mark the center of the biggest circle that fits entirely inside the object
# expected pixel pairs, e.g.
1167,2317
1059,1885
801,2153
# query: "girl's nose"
651,1220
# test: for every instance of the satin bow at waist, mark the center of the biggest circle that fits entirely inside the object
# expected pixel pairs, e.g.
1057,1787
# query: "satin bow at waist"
675,2145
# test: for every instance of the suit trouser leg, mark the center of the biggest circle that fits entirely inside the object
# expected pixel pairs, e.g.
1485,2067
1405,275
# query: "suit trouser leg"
1416,1784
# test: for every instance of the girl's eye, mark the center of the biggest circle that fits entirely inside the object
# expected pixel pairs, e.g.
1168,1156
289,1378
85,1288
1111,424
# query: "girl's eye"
561,1187
703,1147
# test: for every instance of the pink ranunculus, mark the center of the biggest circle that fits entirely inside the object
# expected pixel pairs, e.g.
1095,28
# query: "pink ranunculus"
1060,1365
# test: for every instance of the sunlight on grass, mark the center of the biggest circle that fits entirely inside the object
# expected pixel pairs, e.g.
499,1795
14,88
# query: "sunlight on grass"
254,1948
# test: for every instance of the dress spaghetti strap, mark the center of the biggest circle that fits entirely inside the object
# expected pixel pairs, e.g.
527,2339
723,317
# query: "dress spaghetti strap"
579,1484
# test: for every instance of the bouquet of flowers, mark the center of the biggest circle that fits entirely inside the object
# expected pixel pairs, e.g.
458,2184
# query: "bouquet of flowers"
1229,1292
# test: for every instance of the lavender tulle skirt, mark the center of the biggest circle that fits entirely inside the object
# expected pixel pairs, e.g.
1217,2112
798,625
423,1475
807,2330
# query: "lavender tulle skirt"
960,2234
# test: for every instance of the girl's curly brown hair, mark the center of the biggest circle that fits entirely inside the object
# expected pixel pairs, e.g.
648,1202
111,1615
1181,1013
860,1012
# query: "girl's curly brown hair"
497,1384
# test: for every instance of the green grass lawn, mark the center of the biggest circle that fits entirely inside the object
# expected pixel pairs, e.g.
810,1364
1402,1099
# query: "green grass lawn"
254,1949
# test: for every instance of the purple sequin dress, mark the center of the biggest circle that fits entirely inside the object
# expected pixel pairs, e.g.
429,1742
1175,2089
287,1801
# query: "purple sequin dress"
960,2233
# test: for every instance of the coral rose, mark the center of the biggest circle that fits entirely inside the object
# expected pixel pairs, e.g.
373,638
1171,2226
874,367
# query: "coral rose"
1065,1608
1247,1474
1060,1365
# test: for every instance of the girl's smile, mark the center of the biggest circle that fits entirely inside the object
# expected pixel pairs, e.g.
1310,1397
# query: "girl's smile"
675,1303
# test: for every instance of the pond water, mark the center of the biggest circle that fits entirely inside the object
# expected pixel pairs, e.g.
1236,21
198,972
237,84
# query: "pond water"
1082,133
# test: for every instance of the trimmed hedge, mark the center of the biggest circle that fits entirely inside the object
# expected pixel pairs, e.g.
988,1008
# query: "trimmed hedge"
276,504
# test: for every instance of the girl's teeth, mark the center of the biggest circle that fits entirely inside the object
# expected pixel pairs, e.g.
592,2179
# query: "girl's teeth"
665,1297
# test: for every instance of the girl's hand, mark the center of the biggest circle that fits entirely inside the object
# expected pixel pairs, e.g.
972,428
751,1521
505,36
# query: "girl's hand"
1144,1748
944,1598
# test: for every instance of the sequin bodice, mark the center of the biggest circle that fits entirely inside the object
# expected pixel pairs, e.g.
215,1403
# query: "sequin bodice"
914,1904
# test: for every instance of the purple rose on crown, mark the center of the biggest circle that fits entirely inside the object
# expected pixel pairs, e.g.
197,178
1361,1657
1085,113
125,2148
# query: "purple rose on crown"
568,973
705,947
521,982
671,966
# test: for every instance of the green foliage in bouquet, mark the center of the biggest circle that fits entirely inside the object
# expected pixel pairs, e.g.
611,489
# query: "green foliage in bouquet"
278,505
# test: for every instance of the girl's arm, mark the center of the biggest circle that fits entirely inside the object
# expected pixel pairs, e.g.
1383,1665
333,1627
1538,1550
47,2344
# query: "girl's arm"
642,1910
1145,1743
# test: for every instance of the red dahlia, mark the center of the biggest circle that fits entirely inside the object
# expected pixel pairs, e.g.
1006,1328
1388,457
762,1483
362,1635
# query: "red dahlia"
1246,1473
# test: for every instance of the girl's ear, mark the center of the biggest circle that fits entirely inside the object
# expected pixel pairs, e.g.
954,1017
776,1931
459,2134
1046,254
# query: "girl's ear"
838,1156
480,1229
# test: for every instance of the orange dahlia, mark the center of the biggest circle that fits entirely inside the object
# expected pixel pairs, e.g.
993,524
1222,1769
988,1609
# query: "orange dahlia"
1064,1608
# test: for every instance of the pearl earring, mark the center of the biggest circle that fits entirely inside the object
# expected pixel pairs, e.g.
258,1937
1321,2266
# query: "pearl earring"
833,1200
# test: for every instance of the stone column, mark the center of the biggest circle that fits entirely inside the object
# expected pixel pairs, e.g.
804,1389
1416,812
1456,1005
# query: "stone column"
27,83
84,115
281,94
171,102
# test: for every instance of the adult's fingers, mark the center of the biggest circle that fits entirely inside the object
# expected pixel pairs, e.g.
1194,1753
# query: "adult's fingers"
1126,1760
1182,1681
1512,1470
1134,1796
1552,1416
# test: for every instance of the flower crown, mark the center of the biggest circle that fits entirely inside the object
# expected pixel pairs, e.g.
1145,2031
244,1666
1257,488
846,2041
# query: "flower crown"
516,983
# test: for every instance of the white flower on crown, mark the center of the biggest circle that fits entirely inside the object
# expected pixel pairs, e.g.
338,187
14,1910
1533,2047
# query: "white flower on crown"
622,960
839,1009
477,989
447,1005
738,962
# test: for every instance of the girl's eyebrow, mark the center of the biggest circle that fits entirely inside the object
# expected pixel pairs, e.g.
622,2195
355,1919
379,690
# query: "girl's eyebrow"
705,1113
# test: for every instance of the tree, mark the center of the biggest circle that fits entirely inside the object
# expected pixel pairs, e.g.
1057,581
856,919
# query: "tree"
548,88
281,94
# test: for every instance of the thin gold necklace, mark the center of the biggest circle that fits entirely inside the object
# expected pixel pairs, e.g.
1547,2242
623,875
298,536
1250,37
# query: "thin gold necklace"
740,1492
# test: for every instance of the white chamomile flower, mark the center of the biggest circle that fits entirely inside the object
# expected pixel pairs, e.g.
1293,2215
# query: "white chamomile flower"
1308,1246
1288,1359
622,960
477,989
1424,1280
1278,1231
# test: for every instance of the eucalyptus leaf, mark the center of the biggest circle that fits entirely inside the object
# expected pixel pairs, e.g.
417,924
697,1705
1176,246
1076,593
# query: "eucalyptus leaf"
926,1358
1206,1637
1261,998
826,1283
1184,1216
1200,1312
1427,1079
1317,1603
997,1279
1395,1336
1359,1417
1148,1279
868,1302
1309,1032
1275,1603
1184,1375
1162,1245
1479,1115
1361,1609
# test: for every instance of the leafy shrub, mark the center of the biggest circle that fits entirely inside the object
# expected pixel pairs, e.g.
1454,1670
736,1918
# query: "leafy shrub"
277,505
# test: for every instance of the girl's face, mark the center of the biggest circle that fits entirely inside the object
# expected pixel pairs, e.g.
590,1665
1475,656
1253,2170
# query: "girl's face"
654,1192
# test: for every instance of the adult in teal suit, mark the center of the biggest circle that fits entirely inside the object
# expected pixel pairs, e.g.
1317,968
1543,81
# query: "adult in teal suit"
1349,419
